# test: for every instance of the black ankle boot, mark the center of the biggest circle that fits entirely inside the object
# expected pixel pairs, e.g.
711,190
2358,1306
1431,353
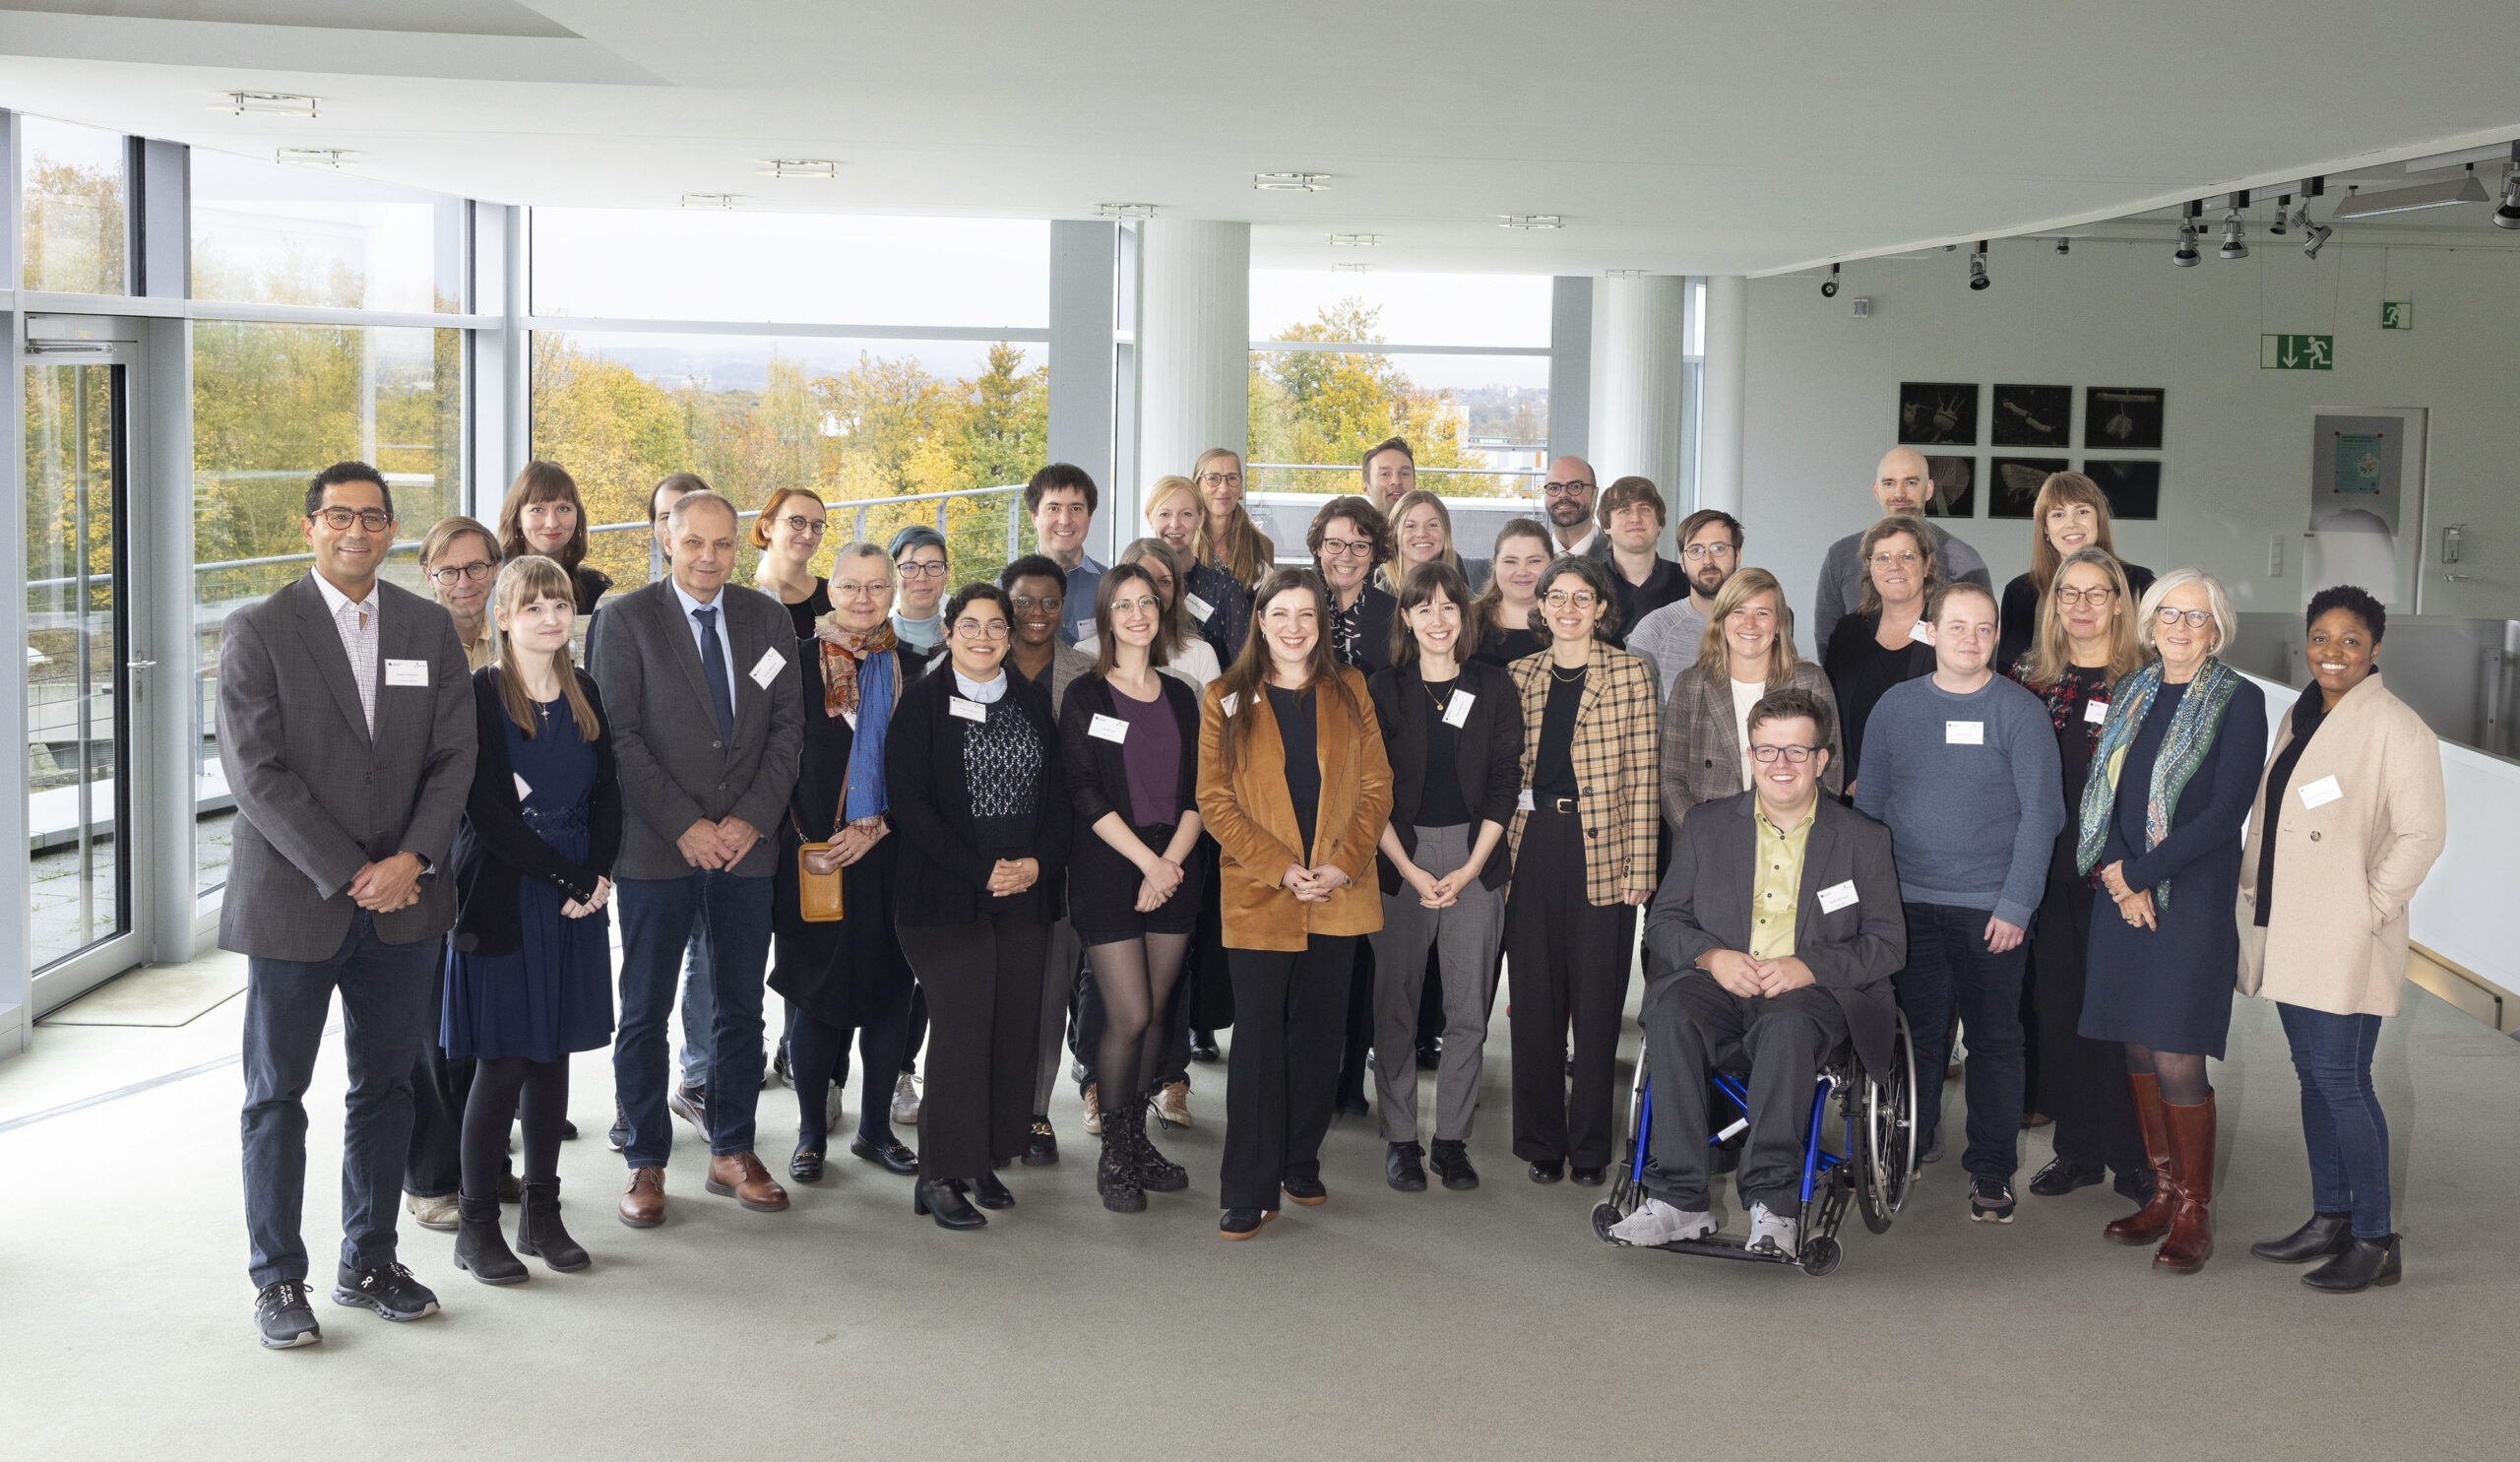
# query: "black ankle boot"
937,1196
1156,1173
479,1247
2325,1235
2366,1263
538,1232
1115,1174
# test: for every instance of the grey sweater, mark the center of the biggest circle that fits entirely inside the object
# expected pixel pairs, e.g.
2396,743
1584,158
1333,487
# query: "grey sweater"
1973,822
1842,577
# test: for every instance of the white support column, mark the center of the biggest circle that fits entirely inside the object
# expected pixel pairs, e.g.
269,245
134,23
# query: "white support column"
1084,259
1193,346
501,389
1640,349
1726,392
1570,366
16,951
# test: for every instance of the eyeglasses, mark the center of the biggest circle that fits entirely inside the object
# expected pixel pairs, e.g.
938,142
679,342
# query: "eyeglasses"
911,570
1346,548
1572,598
974,629
2196,618
454,573
1796,755
1700,552
852,589
1054,603
1567,489
374,520
809,527
1904,558
2067,599
1220,480
1145,602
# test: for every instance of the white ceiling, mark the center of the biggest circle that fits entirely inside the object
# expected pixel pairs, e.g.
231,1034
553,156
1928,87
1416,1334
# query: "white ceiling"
1684,136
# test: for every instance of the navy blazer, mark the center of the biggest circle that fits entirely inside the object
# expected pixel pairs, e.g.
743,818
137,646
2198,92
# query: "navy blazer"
495,847
1490,767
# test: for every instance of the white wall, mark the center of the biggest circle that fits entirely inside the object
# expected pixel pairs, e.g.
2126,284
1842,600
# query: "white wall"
1823,392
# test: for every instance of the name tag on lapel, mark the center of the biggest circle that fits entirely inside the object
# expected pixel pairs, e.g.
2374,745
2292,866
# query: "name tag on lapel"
2322,793
1456,710
1084,628
407,673
1837,896
1200,608
767,668
968,710
1917,632
2094,712
1964,733
1108,729
1230,704
524,789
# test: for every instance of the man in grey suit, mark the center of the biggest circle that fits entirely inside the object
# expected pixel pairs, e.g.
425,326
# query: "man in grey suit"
707,719
346,731
1773,939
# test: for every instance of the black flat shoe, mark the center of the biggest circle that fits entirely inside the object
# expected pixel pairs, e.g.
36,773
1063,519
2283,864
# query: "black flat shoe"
1589,1177
1307,1191
2325,1235
1430,1054
806,1164
1240,1223
2368,1262
2061,1177
937,1198
1403,1168
1203,1048
1042,1149
2135,1187
568,1130
1451,1162
1549,1170
989,1192
892,1157
1351,1107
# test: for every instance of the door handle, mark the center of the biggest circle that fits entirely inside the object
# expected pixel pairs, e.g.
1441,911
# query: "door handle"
140,664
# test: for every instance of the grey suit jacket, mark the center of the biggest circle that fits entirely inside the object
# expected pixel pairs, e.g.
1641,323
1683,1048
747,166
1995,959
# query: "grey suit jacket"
1067,665
675,770
318,796
1701,752
1704,905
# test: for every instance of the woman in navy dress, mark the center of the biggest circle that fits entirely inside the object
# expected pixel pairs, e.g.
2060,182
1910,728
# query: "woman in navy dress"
529,980
2171,784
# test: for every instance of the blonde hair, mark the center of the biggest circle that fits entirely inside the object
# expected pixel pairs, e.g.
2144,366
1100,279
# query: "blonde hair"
2227,620
1246,556
2051,654
1391,574
2060,490
1713,655
528,580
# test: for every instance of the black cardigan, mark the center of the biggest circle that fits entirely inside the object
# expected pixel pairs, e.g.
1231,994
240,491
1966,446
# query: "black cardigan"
1098,771
1490,767
943,877
494,846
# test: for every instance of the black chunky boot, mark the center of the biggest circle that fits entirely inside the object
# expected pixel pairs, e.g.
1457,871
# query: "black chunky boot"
538,1232
1115,1174
1156,1173
479,1249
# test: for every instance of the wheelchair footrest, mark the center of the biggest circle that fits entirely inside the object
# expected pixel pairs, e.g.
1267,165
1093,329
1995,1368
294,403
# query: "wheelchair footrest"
1718,1244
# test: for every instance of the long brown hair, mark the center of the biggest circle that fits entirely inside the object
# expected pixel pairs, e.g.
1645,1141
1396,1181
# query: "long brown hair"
1892,527
1246,554
2059,489
1245,682
543,482
1425,582
525,580
1714,655
1173,621
1482,609
2051,654
1390,573
1107,641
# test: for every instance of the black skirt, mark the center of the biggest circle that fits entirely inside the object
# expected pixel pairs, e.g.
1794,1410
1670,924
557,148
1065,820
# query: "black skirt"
851,972
1102,889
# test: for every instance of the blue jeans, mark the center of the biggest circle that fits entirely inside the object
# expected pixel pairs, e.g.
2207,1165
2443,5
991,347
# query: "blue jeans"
658,917
2341,1119
1949,966
699,1010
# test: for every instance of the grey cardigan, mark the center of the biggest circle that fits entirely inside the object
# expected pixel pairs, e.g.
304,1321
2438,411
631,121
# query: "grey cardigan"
1702,756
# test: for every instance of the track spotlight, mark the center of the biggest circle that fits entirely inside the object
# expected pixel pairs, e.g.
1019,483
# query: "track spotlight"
2509,215
1978,268
2276,229
2065,246
2316,237
2235,246
2184,256
1829,285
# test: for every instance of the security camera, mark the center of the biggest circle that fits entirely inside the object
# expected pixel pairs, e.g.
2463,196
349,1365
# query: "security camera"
1829,285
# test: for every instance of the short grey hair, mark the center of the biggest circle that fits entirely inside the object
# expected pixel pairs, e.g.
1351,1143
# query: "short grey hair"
2227,620
700,497
861,549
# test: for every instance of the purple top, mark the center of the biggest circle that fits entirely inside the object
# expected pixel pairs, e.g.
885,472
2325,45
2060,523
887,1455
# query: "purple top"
1153,759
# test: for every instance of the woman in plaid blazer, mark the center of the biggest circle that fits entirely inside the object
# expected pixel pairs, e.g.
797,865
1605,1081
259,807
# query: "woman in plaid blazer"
1583,845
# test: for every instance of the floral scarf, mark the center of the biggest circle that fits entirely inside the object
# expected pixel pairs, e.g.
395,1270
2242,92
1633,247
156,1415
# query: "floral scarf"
2184,749
857,682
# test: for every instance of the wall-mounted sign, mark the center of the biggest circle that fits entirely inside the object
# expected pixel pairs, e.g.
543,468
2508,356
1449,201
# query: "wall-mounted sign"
2397,314
2297,352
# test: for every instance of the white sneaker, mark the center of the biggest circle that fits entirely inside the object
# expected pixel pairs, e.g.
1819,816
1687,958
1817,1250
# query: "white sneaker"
1171,1104
1657,1222
906,1100
1773,1233
835,1114
1093,1112
436,1213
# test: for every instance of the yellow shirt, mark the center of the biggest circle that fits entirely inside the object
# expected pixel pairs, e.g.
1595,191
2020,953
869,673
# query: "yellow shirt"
1776,885
484,650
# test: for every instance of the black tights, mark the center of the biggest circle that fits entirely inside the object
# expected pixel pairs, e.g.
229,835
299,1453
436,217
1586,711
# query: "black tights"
504,1089
2181,1077
818,1059
1136,978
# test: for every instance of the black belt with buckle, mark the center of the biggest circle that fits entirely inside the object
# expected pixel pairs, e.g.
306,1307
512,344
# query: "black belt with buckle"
1557,804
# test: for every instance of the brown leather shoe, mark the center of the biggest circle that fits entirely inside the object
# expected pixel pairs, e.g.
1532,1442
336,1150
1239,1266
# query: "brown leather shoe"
2149,1223
643,1202
741,1177
2191,1228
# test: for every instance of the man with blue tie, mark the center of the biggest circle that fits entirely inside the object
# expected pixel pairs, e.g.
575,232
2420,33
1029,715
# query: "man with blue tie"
706,720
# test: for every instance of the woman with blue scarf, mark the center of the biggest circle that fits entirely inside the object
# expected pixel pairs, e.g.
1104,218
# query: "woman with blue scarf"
2171,784
848,975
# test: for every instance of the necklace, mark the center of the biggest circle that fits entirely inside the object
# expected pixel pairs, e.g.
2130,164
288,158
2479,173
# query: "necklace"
1442,702
1563,677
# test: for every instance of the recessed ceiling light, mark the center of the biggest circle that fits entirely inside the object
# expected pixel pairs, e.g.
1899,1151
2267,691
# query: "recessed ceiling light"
1532,220
1291,182
1124,210
798,168
1622,274
1349,268
713,200
265,104
1356,240
334,158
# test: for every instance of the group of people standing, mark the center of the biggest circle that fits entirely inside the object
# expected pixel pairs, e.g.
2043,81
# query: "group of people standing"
1132,805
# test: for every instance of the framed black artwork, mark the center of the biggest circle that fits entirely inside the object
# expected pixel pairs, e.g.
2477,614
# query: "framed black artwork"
2133,486
2122,418
2013,482
2033,416
1955,488
1934,414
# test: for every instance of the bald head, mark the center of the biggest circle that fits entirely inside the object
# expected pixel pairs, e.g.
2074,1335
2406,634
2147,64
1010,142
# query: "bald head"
1569,498
1901,484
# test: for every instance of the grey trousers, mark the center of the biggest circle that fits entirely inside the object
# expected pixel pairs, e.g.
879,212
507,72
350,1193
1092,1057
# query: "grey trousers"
1058,991
1466,937
1694,1028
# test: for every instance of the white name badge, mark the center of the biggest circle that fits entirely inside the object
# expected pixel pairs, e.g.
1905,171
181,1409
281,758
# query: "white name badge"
1917,632
524,789
1200,608
1837,896
1108,729
2322,793
1084,628
851,718
407,673
1523,802
968,710
767,668
1457,711
1230,704
1964,734
2096,711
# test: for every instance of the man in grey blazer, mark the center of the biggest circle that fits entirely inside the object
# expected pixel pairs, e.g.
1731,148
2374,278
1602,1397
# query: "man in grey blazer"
707,719
346,731
1772,940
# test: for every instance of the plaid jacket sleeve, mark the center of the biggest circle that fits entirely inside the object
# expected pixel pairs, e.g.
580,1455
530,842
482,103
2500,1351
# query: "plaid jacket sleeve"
1618,766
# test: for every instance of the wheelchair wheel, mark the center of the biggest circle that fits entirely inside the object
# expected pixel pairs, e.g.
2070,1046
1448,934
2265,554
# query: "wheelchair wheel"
1884,1141
1820,1257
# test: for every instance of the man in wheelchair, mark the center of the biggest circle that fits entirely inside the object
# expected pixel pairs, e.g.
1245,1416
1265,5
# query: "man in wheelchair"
1770,945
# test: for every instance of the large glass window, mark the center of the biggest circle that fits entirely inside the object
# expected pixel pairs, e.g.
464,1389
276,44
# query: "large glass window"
74,192
264,234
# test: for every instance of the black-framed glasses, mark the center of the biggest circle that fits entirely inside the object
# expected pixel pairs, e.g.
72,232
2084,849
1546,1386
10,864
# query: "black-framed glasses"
2169,617
809,527
456,573
1220,480
1346,547
1575,488
1795,755
339,520
909,570
2067,599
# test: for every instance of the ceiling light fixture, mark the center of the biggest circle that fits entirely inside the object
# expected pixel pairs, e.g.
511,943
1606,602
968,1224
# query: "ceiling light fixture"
1829,285
1356,240
2184,256
2275,229
1978,268
1349,268
2462,189
1532,220
1623,273
266,104
2314,239
2235,238
2064,245
1124,210
823,167
2509,215
713,200
333,157
1291,182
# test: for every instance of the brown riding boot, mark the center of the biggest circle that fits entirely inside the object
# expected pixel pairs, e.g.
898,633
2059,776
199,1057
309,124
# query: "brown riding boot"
2149,1223
2192,1229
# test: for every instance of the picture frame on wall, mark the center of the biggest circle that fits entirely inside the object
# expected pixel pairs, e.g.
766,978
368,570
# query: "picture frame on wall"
2013,484
2122,418
1955,488
1934,414
2033,416
2132,486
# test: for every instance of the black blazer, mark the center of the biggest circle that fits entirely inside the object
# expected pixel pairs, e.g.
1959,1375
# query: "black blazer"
943,877
1490,766
1098,771
494,846
1375,610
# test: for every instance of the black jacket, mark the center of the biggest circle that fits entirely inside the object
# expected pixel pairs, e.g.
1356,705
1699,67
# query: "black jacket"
494,846
1491,764
1098,771
1374,610
943,877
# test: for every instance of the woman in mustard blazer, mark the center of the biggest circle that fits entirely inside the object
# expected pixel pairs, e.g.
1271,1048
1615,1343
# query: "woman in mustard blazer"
1294,786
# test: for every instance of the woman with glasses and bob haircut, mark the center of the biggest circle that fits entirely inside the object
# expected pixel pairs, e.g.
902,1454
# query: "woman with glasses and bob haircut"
1583,851
543,514
2070,515
1746,652
2159,824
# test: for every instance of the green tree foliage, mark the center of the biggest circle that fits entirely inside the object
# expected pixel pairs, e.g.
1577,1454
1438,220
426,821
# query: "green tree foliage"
1328,407
73,227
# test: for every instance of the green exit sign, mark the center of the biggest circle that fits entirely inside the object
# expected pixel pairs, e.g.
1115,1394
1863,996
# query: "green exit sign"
2397,314
2297,352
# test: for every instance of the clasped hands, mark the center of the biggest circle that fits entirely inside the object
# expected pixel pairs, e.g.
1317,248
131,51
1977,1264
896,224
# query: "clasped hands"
851,842
574,908
388,884
2134,905
717,844
1439,893
1748,978
1313,885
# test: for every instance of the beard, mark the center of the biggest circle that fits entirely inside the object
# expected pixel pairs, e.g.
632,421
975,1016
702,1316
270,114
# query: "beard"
1706,580
1568,514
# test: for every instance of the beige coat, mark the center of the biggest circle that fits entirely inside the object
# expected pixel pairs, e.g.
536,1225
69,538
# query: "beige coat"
2343,871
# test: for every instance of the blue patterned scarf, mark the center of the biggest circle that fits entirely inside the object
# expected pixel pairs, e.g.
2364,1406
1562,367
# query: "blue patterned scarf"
2182,751
865,794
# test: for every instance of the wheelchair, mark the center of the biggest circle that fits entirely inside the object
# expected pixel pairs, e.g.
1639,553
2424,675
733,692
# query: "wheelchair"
1873,1169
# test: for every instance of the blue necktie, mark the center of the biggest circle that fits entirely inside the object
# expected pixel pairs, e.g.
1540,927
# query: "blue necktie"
712,669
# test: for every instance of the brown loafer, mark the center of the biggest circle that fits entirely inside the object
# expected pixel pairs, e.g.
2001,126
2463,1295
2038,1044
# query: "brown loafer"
741,1177
643,1202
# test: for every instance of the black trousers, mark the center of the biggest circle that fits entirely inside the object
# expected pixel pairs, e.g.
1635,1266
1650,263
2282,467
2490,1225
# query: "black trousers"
1568,960
439,1087
2079,1082
983,985
1695,1028
1290,1010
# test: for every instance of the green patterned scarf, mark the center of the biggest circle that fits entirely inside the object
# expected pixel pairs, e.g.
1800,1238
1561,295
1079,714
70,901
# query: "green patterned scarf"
2182,751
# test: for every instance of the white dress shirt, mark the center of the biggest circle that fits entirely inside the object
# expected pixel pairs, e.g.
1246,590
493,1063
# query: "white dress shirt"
726,644
355,620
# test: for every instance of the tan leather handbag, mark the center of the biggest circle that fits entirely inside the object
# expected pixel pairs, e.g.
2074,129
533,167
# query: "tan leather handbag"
817,893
